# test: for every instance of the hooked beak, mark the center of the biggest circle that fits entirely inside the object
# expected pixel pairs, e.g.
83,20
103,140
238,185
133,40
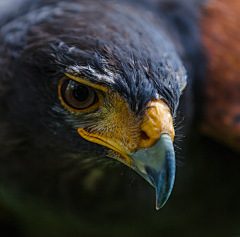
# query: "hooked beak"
155,158
157,165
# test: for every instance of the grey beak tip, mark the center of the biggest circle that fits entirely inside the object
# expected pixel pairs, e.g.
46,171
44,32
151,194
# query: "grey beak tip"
159,206
163,180
158,167
161,199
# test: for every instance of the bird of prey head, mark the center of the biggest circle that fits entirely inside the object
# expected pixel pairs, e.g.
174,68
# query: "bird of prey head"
88,82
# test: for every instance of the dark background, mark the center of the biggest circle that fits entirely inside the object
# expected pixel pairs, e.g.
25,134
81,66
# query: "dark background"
205,200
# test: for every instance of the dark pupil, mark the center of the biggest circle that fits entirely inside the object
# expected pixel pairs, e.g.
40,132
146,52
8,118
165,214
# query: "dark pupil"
80,93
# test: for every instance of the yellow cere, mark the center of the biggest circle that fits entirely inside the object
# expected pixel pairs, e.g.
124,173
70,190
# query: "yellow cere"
157,120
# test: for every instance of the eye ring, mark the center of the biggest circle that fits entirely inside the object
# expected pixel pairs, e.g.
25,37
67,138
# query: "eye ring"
77,96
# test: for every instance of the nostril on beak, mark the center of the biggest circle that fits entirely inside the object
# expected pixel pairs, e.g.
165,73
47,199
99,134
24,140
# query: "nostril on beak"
144,136
157,121
146,141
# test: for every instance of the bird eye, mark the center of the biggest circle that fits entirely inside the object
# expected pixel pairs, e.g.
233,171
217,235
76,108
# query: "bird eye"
77,95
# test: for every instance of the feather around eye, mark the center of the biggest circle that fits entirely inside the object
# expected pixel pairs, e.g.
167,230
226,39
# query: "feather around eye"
78,96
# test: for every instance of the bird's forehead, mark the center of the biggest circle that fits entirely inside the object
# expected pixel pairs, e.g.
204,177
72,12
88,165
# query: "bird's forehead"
138,82
140,66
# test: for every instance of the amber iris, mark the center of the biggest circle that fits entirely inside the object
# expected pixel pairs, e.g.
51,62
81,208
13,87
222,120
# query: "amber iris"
78,96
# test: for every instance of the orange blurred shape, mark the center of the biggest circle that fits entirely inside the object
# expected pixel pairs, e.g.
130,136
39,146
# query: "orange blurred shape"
220,29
